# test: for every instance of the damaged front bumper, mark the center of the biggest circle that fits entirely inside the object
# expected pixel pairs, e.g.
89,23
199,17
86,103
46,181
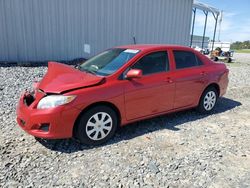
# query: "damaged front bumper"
53,123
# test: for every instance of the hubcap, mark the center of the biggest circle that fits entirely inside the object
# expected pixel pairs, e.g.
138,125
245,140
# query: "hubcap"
209,100
99,126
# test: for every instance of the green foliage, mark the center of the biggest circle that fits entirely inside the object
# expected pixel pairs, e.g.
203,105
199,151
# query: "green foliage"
241,45
243,51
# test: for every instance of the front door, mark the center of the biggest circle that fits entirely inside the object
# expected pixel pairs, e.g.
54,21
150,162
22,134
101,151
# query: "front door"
154,91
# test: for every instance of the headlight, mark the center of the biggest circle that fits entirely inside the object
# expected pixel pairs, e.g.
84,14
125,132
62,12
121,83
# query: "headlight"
54,100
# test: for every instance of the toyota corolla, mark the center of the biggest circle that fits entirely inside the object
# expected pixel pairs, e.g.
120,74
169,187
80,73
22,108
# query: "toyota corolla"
119,86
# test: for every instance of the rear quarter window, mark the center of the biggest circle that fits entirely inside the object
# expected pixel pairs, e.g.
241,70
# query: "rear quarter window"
199,61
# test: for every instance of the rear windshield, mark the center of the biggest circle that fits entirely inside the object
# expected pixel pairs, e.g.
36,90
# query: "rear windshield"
108,62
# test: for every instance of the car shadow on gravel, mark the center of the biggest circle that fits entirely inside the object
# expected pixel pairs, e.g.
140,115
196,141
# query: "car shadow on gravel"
171,121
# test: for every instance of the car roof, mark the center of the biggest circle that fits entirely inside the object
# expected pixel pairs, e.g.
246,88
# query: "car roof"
146,47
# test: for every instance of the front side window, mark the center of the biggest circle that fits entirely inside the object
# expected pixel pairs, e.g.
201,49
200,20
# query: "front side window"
153,63
184,59
108,61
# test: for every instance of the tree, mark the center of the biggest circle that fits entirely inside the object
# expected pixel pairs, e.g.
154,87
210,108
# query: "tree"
240,45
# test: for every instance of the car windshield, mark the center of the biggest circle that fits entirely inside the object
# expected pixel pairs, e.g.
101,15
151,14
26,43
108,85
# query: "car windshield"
108,62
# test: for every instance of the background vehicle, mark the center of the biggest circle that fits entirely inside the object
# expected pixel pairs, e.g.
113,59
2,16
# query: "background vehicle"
204,51
119,86
218,54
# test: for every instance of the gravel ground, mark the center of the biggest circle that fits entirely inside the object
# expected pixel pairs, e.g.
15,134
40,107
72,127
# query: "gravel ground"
242,57
183,149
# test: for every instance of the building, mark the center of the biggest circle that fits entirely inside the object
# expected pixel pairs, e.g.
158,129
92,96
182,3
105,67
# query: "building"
224,46
42,30
197,41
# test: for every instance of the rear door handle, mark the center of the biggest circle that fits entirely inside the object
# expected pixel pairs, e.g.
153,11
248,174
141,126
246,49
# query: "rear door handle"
203,73
169,80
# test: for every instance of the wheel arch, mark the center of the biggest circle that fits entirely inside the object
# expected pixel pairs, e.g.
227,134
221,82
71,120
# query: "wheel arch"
214,85
101,103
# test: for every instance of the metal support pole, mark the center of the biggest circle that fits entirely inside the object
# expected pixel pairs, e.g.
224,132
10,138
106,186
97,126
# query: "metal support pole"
192,32
220,20
134,39
204,32
216,19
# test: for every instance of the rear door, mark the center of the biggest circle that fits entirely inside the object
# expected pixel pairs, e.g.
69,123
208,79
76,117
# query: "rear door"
154,91
189,77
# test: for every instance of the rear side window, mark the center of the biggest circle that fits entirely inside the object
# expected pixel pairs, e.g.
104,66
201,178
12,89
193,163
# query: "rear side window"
153,63
184,59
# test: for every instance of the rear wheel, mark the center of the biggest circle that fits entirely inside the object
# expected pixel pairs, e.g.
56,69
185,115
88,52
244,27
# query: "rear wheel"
208,100
97,125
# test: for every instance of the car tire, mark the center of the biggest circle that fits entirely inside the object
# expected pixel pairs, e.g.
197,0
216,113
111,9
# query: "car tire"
228,60
216,59
208,100
96,126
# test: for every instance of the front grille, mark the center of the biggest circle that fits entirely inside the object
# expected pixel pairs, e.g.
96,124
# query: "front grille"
28,99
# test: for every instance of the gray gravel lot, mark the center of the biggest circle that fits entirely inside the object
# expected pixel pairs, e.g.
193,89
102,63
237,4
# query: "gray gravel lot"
242,57
183,149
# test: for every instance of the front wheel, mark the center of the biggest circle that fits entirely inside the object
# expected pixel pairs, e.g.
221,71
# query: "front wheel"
208,100
97,125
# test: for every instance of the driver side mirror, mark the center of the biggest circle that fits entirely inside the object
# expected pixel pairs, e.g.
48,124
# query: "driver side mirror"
134,73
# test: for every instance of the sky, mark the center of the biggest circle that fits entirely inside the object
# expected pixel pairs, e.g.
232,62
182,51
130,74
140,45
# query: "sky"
235,25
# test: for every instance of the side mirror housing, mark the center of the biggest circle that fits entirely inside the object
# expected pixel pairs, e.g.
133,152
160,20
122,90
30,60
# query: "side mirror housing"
134,73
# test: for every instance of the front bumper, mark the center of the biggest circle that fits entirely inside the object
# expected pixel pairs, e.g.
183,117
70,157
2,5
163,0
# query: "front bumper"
51,123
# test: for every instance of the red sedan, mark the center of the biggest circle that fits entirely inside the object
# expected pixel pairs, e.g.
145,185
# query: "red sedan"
119,86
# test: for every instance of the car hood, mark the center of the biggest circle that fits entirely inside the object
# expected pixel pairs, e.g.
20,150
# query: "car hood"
61,78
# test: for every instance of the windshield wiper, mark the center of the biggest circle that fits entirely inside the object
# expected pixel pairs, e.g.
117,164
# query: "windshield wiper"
88,71
77,66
